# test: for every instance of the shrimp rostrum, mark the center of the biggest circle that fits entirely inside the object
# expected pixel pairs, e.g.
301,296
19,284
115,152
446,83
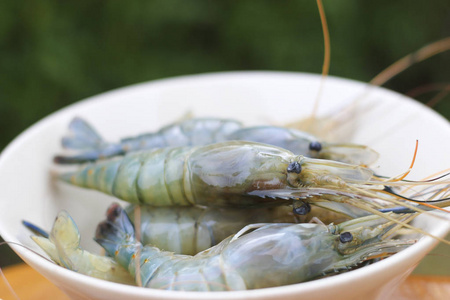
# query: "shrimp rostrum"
202,131
290,253
233,174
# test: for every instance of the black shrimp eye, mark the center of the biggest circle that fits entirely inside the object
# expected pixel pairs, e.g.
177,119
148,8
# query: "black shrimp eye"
315,146
302,210
294,167
346,237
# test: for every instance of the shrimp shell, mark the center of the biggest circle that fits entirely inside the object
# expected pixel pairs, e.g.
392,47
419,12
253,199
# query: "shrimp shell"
235,173
189,230
63,247
290,253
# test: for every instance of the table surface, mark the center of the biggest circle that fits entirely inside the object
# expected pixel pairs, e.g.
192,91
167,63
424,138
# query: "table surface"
28,284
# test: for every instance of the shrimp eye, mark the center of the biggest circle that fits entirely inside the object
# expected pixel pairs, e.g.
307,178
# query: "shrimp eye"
294,167
315,146
346,237
302,210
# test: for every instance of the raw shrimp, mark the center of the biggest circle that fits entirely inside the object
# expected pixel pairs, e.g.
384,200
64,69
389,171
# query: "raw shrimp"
63,247
189,230
223,174
290,253
198,132
83,137
233,174
182,230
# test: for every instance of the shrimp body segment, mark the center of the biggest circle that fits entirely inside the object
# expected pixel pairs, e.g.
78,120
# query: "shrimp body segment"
191,229
291,253
239,174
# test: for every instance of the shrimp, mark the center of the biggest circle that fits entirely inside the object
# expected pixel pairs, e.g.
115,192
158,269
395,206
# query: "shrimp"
233,174
83,137
291,253
63,247
189,230
198,132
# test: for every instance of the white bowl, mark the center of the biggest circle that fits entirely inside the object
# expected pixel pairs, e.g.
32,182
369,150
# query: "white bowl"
387,121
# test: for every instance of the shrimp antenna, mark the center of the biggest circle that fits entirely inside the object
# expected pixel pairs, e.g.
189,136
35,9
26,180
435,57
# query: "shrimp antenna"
442,88
410,167
10,288
326,63
399,66
399,226
386,216
397,202
326,41
422,202
410,59
35,252
420,181
426,88
389,192
35,229
326,56
436,99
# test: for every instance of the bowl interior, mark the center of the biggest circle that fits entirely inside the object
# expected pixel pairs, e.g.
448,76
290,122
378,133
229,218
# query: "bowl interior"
351,111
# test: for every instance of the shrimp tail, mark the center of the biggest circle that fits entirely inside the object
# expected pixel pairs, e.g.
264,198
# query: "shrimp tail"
107,171
116,230
48,247
42,240
63,239
82,137
63,247
35,229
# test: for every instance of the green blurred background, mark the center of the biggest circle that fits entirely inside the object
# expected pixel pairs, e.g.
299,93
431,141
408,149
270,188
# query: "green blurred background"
53,53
